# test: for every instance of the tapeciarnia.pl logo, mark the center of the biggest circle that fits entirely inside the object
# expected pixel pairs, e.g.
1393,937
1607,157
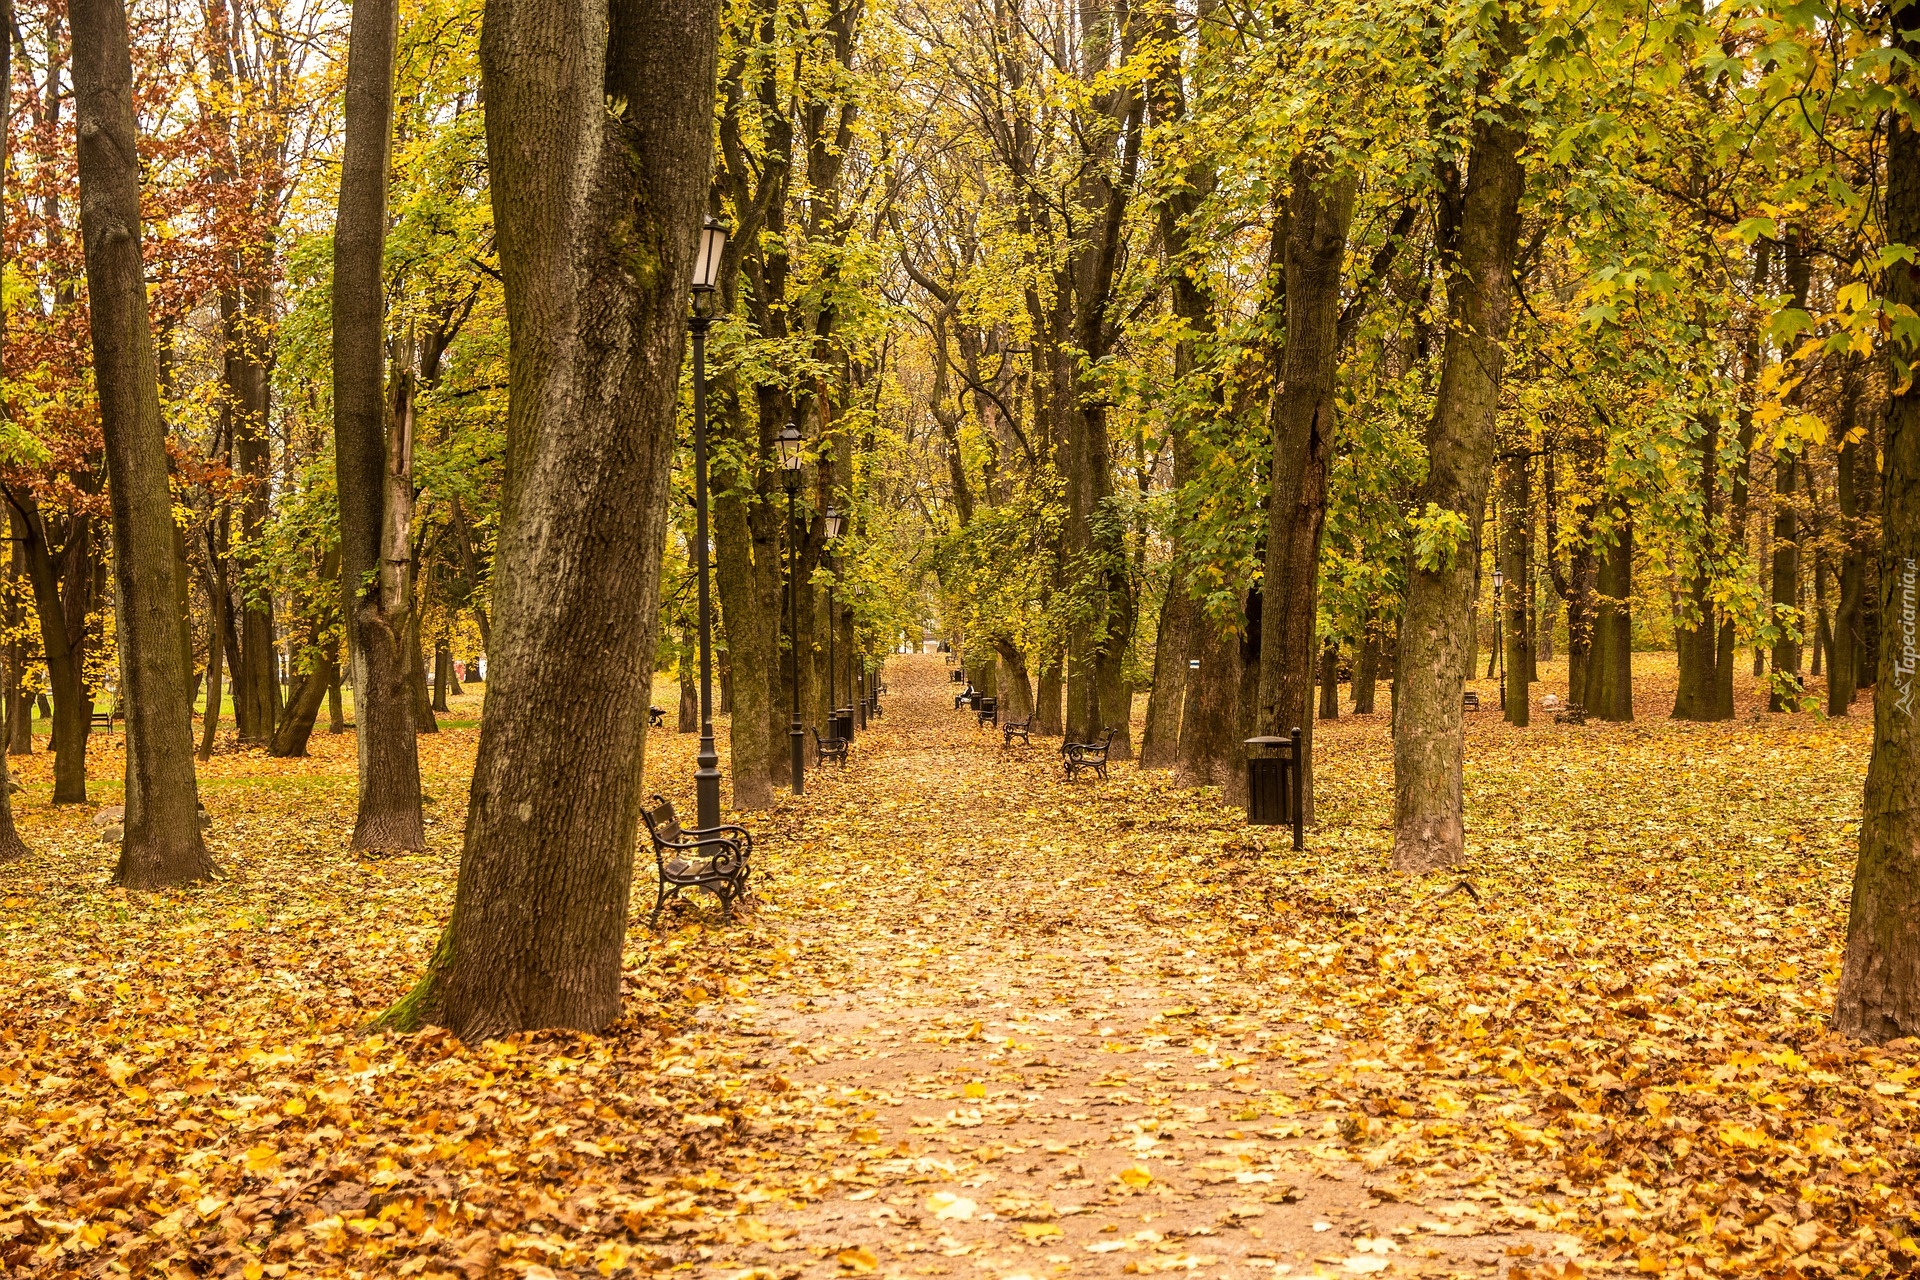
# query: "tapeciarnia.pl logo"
1908,659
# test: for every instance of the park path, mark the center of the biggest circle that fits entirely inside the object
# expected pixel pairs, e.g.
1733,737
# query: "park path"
1005,1054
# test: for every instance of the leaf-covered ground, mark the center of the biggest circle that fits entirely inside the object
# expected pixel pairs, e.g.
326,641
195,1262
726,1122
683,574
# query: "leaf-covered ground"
986,1023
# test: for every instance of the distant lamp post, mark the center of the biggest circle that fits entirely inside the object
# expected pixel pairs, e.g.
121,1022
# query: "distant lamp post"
792,456
1499,645
706,275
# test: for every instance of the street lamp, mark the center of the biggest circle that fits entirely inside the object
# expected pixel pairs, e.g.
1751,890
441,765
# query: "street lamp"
1499,644
791,457
706,274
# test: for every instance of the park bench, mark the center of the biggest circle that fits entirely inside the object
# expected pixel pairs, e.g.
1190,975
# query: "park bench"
825,749
963,697
988,712
1469,701
1080,757
1017,729
717,859
105,718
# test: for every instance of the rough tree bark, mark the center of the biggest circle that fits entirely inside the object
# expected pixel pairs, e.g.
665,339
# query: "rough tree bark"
1609,689
1319,211
1879,995
1696,638
12,847
599,142
372,603
161,845
1429,732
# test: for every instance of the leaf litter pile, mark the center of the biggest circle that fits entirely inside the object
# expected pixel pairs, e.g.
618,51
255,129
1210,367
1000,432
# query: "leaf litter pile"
984,1022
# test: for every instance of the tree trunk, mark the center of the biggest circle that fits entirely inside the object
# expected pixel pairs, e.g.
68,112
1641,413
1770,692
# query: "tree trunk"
161,845
372,607
216,627
1330,681
1160,741
1696,636
442,674
1843,675
1429,731
1366,670
689,718
12,847
1209,750
62,614
418,681
1609,691
1786,584
752,654
1516,543
1319,211
1879,995
1013,681
296,727
1047,717
599,144
336,708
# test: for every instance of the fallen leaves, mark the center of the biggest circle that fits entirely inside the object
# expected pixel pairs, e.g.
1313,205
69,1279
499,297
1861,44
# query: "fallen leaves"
1621,1040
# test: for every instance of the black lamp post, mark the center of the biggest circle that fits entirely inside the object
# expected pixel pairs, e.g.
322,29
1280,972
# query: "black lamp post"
706,273
791,458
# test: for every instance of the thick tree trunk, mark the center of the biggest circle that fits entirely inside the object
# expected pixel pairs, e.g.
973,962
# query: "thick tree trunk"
1609,691
1879,995
372,606
599,142
1209,751
747,684
1319,211
161,845
1429,732
12,847
1015,685
1160,741
1047,718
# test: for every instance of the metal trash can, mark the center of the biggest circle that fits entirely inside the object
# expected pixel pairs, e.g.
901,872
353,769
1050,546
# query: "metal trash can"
973,698
1275,794
842,721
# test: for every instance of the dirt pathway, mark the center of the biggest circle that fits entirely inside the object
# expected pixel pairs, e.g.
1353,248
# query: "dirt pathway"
1007,1057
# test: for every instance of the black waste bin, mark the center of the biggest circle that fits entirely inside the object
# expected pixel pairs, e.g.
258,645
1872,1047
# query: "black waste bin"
1274,792
843,724
973,698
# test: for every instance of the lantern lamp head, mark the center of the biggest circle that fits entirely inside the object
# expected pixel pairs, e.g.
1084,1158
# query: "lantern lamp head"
792,449
835,523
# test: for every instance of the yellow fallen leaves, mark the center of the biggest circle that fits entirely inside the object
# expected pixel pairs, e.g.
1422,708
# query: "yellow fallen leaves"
1135,1176
945,1204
